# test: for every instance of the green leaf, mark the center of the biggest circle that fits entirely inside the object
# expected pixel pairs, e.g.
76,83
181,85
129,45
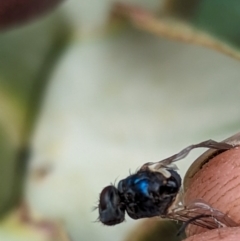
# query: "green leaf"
213,24
218,18
27,57
155,230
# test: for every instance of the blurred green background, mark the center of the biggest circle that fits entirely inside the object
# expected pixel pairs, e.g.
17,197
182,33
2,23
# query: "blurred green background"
84,97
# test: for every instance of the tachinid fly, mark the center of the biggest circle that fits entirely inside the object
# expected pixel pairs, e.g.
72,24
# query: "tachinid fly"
154,191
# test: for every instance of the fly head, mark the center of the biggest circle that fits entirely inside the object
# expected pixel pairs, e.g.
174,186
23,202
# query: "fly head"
111,209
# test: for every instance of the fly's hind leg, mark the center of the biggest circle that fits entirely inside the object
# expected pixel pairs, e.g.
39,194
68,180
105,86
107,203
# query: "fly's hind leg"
168,162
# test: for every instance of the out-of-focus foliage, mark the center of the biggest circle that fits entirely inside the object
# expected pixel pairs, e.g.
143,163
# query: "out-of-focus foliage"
155,230
27,56
16,227
117,99
14,12
213,24
217,17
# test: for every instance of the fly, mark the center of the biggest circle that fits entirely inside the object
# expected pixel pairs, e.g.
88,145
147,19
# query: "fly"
154,190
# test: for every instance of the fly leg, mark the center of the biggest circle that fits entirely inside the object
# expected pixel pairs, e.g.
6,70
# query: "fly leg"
183,153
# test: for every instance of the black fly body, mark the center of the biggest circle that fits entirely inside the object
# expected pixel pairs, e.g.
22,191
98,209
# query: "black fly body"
154,191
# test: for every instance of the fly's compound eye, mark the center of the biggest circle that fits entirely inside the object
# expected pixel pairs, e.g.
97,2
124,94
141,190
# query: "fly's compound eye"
111,210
